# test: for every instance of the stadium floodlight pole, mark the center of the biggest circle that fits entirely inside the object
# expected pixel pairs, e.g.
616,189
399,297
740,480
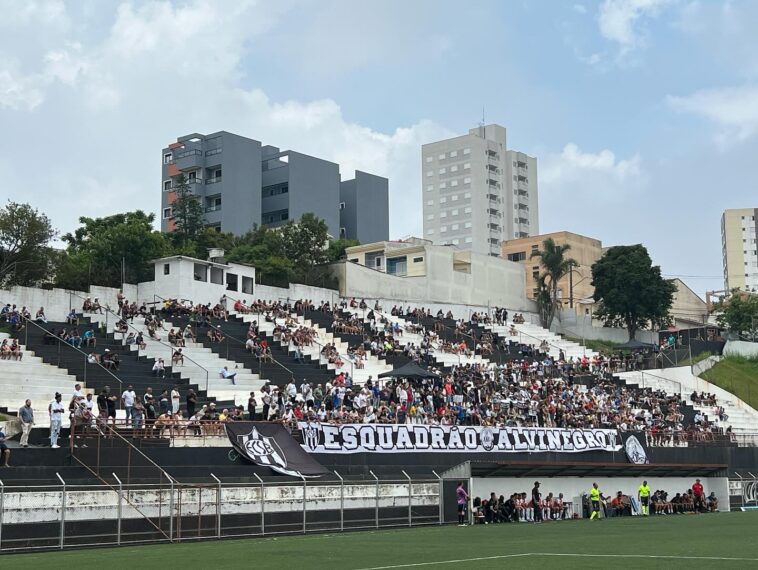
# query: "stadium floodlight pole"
218,506
63,508
342,502
377,497
263,506
410,498
118,508
439,479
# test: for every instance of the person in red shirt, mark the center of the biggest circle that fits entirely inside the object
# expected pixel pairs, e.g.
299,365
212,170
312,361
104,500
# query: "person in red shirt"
699,492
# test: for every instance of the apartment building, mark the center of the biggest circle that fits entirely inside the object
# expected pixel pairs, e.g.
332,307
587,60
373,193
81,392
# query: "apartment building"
476,192
575,289
242,183
739,245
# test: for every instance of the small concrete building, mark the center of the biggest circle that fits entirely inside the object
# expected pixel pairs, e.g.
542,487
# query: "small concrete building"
687,309
202,281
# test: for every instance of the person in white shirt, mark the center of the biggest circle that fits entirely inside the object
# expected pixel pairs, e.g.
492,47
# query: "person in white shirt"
224,373
159,369
56,409
78,394
128,398
175,399
291,391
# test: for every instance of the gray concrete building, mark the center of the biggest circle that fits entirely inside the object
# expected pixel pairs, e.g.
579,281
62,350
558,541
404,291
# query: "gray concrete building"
477,193
241,183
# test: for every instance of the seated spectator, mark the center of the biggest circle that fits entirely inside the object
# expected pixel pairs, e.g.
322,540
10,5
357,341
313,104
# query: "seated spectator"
225,373
159,368
72,318
40,317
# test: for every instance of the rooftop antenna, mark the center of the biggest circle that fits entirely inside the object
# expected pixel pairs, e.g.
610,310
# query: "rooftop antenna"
482,129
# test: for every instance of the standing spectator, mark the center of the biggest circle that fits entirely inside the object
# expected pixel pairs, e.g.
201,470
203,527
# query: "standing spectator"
5,453
163,402
149,403
251,405
536,501
128,398
462,499
699,492
56,410
110,405
26,415
175,399
191,402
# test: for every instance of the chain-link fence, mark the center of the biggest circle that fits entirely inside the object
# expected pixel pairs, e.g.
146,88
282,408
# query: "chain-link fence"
63,516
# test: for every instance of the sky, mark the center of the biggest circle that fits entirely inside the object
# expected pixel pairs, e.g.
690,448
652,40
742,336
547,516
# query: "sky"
643,114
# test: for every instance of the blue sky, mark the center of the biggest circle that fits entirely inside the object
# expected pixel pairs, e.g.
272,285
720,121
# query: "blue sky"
643,114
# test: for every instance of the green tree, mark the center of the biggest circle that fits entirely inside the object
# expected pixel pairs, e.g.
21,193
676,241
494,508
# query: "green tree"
103,250
188,215
26,257
554,266
630,290
337,247
739,313
305,241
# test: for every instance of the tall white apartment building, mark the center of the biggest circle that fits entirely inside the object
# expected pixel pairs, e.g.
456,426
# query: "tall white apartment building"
477,193
739,249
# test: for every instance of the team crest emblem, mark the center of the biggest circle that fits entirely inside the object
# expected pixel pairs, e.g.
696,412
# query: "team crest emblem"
487,438
634,451
262,450
311,434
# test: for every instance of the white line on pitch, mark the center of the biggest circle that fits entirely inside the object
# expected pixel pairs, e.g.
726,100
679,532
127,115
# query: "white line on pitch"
445,562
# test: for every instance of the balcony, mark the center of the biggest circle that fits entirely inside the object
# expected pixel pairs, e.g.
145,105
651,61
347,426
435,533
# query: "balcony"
214,180
189,159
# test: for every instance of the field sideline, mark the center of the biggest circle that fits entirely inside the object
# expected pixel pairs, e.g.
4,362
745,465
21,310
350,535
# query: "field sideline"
722,540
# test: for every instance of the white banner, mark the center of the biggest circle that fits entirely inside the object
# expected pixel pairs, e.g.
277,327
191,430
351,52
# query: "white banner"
394,438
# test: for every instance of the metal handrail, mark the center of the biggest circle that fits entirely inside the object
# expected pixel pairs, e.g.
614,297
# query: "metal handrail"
171,348
60,341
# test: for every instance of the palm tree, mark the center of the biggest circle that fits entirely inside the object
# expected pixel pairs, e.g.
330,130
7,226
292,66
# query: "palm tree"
554,266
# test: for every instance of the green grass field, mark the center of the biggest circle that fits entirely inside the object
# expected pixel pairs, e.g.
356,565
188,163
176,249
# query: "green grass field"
722,540
738,375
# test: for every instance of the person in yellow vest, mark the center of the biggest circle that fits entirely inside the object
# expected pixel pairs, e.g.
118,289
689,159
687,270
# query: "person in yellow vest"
595,497
643,494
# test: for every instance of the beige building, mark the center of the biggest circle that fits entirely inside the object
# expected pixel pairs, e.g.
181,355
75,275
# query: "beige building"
575,289
415,270
738,249
687,309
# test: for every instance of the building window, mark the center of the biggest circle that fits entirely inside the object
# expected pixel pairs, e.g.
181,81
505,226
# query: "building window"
467,195
467,225
454,197
430,188
466,151
213,203
443,229
454,227
429,173
343,233
430,217
276,216
455,241
166,213
454,212
443,200
429,232
342,205
443,170
247,285
166,185
467,180
166,268
429,159
442,157
418,259
453,153
467,210
217,275
453,183
518,256
453,168
430,202
468,239
443,215
201,272
443,185
275,190
466,165
231,282
397,265
168,158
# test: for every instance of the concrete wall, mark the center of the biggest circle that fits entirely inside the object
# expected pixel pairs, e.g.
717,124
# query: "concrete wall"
573,487
585,327
102,503
58,302
741,348
492,281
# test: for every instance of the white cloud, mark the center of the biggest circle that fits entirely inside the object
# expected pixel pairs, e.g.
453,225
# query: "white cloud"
97,111
573,165
733,109
619,20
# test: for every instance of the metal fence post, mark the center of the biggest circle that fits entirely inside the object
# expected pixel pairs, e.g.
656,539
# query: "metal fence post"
439,496
263,506
2,510
63,508
218,506
118,508
377,498
170,508
410,499
305,508
342,502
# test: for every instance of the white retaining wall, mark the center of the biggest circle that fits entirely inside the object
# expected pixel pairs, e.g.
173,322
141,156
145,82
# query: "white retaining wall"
741,348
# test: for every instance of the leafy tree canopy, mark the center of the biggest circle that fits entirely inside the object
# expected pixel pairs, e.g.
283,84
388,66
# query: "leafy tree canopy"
630,290
25,254
739,313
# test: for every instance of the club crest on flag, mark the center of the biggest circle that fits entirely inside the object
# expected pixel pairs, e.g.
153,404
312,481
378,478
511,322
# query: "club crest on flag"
311,435
262,450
